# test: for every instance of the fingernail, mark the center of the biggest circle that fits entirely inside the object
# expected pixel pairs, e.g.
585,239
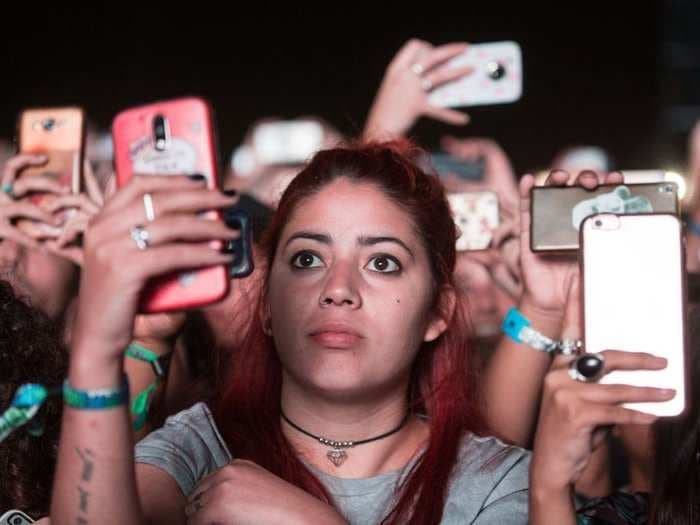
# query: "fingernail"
197,177
668,391
230,193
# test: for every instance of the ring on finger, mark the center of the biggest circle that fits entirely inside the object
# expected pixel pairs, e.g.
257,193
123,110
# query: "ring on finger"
140,236
587,368
148,207
418,68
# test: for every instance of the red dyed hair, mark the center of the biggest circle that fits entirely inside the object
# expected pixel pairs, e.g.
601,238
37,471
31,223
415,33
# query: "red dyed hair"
443,376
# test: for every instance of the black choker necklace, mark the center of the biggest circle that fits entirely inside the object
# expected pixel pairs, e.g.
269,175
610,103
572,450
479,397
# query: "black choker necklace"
337,454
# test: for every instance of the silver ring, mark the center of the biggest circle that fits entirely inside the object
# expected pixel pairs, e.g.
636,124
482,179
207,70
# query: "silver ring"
587,368
140,236
148,206
418,68
570,347
426,84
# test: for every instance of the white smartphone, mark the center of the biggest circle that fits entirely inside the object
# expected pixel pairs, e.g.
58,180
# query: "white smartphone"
634,298
497,77
476,216
15,517
287,142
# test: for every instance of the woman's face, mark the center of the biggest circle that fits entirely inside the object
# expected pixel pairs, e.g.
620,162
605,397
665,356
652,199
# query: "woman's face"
350,293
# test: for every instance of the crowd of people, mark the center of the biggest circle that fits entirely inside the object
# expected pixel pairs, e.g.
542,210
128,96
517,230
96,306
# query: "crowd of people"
359,375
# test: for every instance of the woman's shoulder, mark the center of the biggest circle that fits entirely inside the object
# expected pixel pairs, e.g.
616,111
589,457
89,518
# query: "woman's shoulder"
188,447
490,482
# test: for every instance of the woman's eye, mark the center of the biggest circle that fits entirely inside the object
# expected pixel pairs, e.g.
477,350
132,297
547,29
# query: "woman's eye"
306,260
383,264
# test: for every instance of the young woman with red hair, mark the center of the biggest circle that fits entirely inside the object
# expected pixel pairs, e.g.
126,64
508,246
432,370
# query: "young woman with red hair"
352,399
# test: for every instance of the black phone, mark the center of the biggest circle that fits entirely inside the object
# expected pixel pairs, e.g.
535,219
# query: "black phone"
242,248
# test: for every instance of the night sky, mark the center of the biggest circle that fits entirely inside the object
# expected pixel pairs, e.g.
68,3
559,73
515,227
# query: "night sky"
591,72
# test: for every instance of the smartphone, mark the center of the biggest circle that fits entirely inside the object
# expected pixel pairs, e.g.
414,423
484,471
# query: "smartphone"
15,517
557,212
173,137
476,216
497,77
242,248
633,269
446,165
648,176
287,142
58,133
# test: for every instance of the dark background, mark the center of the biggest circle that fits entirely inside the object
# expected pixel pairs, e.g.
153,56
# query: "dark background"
616,74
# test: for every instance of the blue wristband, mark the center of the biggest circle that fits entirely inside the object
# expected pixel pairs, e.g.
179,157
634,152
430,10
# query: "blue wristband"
97,399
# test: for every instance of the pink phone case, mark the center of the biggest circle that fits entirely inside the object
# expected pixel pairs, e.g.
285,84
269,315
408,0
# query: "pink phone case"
190,149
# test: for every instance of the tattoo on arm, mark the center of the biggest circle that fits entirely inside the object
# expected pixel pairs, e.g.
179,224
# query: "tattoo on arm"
87,459
83,499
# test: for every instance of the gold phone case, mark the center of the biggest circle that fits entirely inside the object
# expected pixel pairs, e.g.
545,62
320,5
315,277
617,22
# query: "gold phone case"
557,212
634,298
476,216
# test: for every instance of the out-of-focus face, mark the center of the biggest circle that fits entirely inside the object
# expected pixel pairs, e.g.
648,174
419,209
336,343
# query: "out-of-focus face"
486,304
45,279
350,293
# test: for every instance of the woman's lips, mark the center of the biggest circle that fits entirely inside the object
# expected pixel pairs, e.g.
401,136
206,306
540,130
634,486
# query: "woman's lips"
335,336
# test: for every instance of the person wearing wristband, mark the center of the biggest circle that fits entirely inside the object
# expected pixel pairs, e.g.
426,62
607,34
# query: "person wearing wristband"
513,379
351,399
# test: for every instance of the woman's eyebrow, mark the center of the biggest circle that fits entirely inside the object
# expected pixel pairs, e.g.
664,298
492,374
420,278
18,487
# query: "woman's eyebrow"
323,238
371,241
363,240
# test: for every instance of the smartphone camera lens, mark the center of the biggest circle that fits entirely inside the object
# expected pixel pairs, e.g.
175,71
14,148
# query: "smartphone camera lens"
598,223
496,70
160,132
48,124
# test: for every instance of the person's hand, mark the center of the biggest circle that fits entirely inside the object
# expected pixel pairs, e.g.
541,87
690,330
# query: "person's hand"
402,98
243,493
158,331
575,416
78,209
547,278
115,270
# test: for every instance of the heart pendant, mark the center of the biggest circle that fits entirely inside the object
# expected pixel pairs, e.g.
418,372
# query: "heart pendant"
336,456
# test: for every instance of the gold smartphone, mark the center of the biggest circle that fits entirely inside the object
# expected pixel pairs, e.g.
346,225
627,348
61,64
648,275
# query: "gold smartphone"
633,269
557,212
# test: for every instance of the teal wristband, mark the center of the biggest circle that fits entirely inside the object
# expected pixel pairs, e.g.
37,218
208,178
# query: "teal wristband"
97,399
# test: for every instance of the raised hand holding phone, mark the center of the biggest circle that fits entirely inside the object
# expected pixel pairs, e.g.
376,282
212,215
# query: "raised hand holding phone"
170,138
402,98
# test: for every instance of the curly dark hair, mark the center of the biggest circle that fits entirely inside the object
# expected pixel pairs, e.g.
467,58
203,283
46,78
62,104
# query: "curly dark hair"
31,350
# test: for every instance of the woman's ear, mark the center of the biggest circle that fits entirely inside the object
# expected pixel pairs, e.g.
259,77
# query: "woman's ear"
439,320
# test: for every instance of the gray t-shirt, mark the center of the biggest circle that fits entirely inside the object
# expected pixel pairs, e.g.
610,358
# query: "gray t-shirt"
189,447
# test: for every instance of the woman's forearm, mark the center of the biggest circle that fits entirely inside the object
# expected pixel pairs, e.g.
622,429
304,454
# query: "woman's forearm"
95,480
512,382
